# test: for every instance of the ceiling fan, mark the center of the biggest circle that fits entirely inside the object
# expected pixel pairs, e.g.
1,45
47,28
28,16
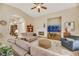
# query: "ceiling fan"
39,6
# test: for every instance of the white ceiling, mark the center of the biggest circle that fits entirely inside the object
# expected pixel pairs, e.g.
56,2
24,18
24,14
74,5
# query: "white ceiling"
52,7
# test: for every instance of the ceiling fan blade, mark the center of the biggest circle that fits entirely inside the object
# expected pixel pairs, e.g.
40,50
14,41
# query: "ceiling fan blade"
33,8
39,10
43,7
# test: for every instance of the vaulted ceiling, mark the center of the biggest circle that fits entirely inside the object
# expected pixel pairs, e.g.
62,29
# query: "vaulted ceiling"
51,7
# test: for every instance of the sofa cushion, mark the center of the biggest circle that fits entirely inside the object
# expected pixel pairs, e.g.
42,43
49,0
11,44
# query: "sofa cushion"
19,50
23,44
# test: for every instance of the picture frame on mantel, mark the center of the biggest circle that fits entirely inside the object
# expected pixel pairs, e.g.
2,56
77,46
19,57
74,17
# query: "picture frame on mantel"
70,25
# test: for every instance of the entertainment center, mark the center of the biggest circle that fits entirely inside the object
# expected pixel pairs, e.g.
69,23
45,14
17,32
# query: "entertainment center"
54,28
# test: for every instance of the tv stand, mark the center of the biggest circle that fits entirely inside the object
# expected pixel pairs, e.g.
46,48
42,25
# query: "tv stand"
54,36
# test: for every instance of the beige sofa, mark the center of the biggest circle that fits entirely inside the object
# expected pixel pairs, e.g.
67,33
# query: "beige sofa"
29,36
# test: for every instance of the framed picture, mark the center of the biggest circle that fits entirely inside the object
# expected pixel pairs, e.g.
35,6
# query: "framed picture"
70,25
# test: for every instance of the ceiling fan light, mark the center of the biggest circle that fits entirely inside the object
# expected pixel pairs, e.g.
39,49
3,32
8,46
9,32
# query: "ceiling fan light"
38,7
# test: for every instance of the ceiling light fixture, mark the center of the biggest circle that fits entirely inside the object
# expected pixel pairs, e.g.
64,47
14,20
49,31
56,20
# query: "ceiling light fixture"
39,6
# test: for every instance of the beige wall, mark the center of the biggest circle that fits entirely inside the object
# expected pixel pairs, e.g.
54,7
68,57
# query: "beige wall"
54,21
6,12
67,15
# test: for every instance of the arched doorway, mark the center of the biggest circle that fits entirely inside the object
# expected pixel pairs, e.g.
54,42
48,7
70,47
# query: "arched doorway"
17,26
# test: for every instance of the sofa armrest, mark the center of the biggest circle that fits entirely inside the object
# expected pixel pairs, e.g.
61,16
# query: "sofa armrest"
76,45
19,51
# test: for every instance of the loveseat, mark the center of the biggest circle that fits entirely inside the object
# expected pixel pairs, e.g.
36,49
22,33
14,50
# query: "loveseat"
71,43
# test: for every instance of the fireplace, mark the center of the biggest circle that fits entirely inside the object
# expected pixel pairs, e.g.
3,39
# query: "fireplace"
41,33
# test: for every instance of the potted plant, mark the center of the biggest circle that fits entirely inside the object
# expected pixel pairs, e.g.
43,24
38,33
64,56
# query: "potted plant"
6,51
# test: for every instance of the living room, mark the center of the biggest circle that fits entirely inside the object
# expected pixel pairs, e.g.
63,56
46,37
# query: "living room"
55,23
